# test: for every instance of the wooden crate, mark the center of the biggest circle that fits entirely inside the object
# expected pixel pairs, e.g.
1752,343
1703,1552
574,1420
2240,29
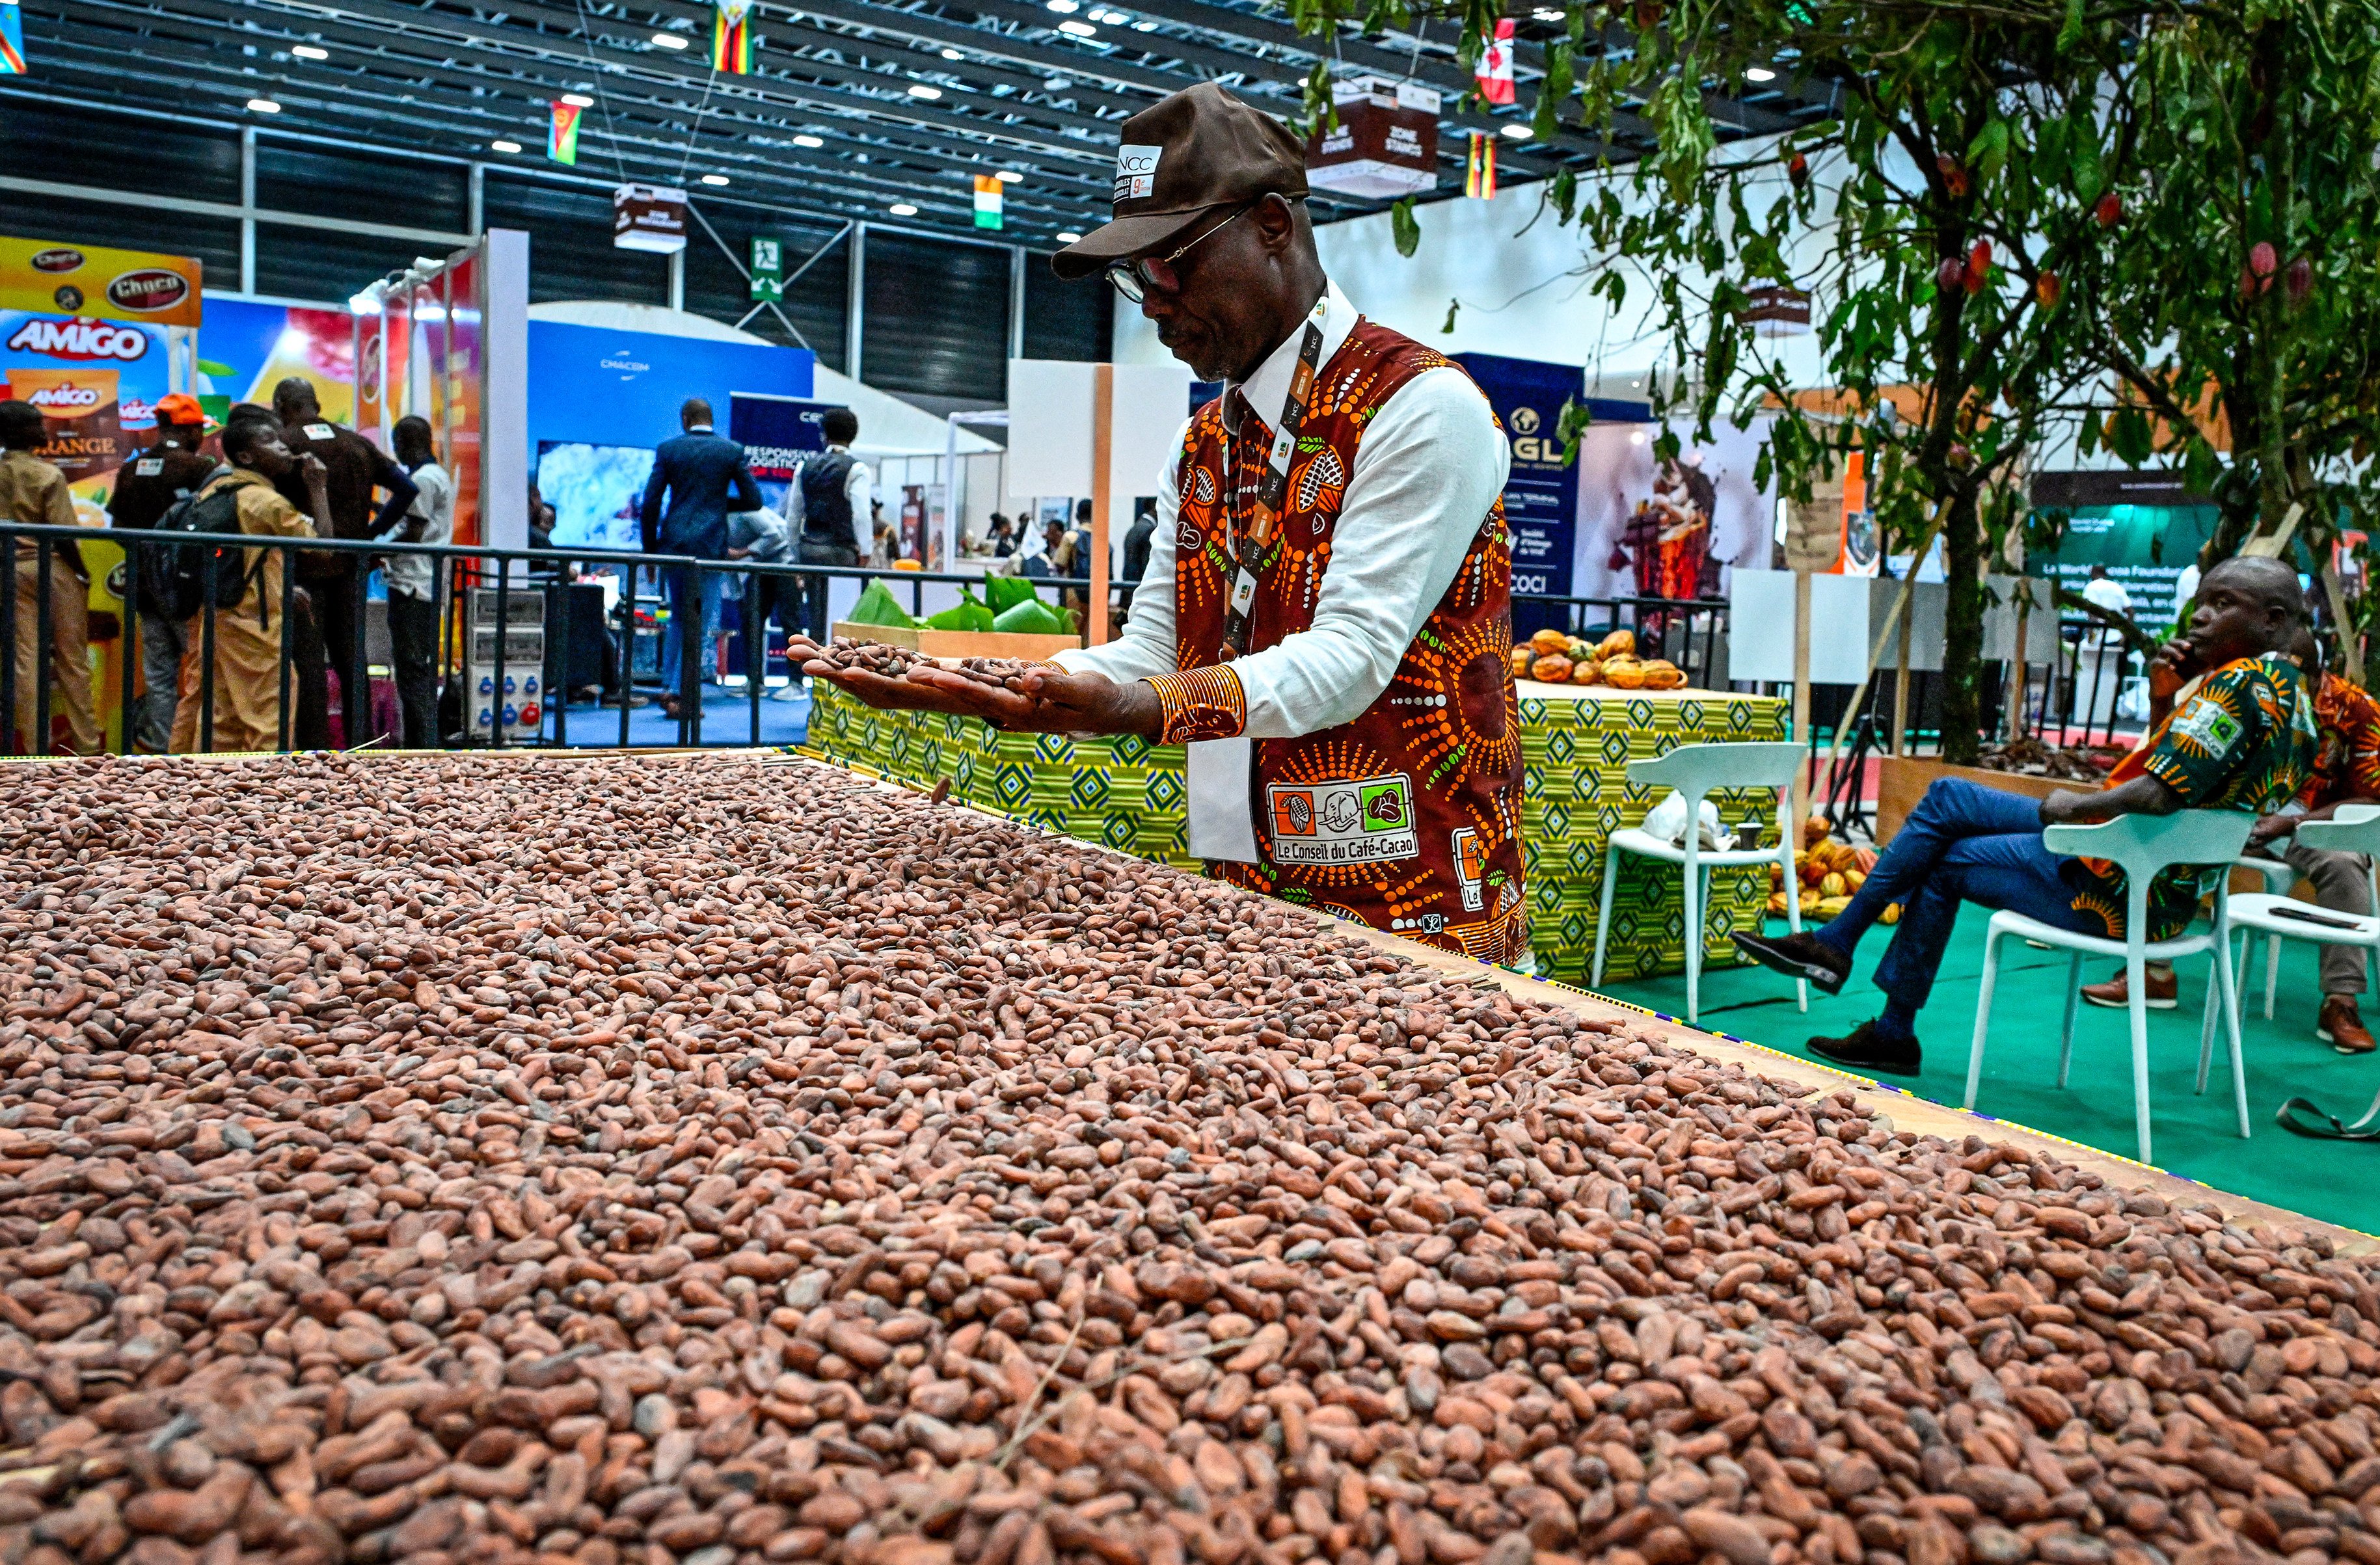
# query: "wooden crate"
935,643
1901,780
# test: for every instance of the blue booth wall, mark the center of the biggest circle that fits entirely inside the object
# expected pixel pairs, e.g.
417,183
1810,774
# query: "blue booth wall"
600,401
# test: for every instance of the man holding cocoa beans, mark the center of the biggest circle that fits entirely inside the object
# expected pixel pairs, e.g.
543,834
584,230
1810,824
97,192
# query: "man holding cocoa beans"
1324,619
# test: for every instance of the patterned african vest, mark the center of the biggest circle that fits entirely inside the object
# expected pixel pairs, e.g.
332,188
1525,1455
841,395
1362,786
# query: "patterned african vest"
1407,819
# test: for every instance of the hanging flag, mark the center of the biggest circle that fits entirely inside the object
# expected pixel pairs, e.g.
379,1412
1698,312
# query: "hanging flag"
1494,71
1479,173
12,39
731,37
987,202
561,135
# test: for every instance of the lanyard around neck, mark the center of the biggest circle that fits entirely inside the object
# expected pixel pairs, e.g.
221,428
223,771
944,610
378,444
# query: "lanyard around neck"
1246,546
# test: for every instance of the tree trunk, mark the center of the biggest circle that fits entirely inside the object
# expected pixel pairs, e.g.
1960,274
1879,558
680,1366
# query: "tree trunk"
1962,628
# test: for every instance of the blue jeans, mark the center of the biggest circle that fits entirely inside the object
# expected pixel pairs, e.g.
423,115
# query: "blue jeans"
1962,843
679,582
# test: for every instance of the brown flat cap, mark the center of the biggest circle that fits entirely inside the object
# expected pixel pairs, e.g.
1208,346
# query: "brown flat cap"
1196,151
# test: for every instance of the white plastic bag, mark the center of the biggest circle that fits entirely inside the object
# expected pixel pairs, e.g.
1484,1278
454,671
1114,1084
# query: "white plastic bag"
1668,823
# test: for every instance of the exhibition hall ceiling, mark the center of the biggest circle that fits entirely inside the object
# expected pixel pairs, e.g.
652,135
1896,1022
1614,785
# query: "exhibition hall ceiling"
851,107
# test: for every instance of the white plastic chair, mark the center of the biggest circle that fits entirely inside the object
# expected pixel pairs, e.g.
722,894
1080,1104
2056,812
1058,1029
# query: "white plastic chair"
1694,771
2279,879
2352,829
2143,846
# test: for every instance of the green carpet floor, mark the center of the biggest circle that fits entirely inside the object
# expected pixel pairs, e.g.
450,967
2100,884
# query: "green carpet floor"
2195,1136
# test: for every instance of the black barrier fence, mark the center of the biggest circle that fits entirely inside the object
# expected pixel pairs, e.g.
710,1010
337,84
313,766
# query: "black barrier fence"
481,600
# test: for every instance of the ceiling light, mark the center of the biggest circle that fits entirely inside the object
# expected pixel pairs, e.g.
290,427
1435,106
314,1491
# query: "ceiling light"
1515,130
1759,73
714,179
953,55
811,141
1009,174
1636,437
1546,14
578,100
504,146
1064,7
264,106
1058,83
919,89
1069,236
1113,19
903,209
309,51
1144,27
1078,29
670,41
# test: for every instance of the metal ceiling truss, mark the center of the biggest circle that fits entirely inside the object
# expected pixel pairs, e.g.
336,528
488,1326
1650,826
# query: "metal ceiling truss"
895,120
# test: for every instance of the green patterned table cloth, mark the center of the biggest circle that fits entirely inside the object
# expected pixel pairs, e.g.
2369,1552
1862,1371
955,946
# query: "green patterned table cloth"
1124,792
1575,747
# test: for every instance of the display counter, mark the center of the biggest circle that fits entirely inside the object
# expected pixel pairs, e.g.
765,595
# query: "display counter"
1575,741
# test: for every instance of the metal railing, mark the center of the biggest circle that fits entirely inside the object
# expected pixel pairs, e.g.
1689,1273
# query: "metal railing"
509,575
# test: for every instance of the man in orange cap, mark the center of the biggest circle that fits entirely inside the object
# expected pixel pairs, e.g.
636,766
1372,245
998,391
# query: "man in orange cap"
146,487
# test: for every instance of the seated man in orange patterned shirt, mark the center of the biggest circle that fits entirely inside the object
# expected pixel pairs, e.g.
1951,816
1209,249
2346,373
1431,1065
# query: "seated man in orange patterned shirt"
2346,770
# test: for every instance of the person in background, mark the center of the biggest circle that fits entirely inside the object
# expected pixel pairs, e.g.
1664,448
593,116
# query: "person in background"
2346,770
34,492
1136,545
838,515
887,546
763,538
2246,741
413,584
2106,592
1004,537
334,581
703,477
146,487
248,635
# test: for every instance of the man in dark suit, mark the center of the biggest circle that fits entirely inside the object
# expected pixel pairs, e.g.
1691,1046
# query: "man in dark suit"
704,478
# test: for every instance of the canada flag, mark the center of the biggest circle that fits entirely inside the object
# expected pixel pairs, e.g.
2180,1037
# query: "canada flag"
1494,70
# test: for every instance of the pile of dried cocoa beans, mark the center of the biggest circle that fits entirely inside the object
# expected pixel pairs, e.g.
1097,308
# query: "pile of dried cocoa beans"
698,1161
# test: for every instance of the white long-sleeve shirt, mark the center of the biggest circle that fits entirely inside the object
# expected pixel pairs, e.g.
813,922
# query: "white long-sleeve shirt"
1430,464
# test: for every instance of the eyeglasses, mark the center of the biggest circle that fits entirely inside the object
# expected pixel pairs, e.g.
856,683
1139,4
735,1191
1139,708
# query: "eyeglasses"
1133,279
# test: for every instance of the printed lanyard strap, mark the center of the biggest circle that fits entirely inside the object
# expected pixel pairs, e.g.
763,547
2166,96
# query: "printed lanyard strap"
1247,549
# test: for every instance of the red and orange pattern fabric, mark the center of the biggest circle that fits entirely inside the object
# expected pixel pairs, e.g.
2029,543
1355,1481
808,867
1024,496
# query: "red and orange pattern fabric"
2347,764
1408,818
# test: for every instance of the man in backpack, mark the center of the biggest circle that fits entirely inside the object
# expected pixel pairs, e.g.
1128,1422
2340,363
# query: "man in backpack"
146,487
32,490
247,634
837,513
354,469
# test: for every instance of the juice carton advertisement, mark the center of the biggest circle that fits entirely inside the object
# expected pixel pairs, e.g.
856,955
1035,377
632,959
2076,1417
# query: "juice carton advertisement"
97,384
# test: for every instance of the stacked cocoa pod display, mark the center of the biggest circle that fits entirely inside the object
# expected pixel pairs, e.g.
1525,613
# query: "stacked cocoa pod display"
694,1161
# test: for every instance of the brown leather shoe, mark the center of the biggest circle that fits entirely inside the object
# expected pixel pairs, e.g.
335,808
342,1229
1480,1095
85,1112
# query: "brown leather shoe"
2342,1027
2162,990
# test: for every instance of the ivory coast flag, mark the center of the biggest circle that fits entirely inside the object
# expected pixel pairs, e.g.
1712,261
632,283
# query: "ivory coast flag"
1479,173
12,39
987,202
731,37
562,135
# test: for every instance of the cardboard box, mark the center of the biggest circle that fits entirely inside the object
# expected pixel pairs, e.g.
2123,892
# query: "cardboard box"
961,643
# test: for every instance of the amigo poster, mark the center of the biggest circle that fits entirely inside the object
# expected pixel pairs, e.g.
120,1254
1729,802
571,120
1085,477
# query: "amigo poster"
97,384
